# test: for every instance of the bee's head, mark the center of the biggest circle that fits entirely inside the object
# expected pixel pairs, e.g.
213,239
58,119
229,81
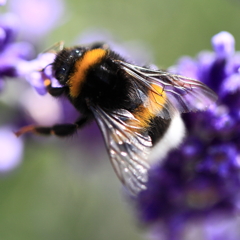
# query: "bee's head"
63,65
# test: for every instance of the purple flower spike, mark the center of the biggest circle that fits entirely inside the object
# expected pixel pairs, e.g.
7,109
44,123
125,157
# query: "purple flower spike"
11,150
223,44
198,184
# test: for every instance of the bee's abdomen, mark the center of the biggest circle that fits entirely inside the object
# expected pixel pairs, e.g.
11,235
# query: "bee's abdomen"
157,128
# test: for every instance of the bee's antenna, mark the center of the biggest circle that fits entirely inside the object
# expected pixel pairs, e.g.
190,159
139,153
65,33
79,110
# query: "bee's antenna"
43,69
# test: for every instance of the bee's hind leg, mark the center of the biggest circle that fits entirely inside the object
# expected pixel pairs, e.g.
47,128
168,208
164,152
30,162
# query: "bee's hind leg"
61,130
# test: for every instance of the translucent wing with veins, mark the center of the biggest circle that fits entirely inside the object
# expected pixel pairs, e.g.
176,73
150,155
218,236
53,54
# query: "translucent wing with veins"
182,94
128,148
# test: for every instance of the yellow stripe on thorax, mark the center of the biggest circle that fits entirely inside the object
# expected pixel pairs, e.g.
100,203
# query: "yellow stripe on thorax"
89,59
150,108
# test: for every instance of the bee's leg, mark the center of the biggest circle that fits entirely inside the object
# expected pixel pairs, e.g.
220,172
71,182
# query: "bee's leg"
61,130
52,90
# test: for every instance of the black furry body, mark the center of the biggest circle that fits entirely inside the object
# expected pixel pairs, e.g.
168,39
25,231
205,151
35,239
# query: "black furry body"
105,85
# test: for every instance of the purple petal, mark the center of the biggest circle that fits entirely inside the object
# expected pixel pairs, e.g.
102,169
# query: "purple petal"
23,50
11,150
231,84
36,80
205,61
222,226
2,37
186,66
10,24
223,44
12,54
51,108
233,64
30,70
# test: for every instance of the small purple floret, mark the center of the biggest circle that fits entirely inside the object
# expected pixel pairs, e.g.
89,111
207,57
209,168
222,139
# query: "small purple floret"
223,44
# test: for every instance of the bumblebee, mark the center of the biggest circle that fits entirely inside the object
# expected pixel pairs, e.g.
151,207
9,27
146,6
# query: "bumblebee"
136,108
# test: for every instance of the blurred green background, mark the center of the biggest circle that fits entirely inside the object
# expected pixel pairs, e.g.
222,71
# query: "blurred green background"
62,193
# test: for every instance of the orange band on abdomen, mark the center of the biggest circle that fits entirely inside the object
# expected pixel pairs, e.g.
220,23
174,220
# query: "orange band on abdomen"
151,107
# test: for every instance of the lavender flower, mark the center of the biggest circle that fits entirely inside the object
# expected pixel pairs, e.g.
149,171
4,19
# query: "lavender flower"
196,188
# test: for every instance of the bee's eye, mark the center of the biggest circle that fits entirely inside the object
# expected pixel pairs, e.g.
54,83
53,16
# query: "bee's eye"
61,75
64,63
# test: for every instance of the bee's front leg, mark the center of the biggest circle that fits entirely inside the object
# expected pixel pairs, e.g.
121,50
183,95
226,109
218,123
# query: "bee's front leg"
54,91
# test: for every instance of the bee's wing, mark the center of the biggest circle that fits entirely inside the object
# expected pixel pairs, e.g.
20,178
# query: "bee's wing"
128,149
182,94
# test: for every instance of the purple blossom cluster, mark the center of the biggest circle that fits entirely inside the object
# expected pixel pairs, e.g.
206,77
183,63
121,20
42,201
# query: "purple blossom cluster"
194,192
17,63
